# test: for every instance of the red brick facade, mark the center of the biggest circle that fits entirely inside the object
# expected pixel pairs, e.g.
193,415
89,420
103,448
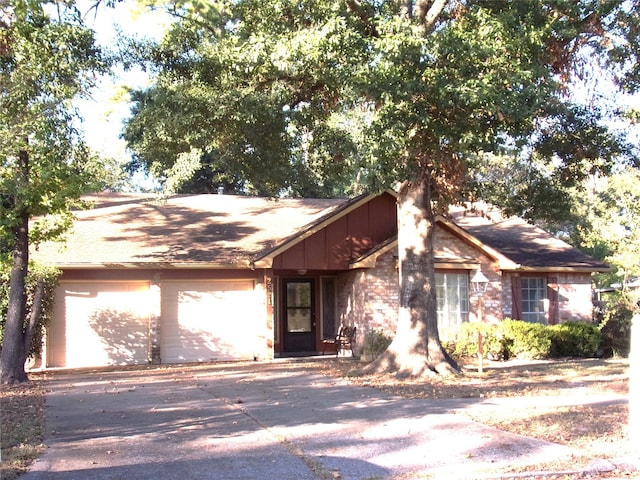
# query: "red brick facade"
368,298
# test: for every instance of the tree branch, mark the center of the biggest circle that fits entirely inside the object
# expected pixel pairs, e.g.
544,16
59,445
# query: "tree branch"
428,12
356,7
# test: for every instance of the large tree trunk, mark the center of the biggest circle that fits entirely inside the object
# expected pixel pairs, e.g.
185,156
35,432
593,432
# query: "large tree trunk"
13,354
416,349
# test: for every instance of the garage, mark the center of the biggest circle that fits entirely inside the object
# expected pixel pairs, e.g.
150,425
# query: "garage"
205,321
99,323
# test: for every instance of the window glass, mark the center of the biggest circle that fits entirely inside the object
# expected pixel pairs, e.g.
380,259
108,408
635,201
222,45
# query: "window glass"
299,307
452,293
534,296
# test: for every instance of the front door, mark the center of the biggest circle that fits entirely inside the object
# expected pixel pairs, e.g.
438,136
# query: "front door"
299,316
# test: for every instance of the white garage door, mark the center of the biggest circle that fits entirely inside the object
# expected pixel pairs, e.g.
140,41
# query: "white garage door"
101,323
205,321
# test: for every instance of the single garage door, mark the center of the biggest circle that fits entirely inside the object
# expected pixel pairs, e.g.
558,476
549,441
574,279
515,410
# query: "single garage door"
205,321
99,323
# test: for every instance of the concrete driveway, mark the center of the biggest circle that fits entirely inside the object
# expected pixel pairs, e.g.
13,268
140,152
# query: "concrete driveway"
272,420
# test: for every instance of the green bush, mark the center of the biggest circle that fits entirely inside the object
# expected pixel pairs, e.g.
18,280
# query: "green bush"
615,328
50,276
574,339
375,342
525,340
464,343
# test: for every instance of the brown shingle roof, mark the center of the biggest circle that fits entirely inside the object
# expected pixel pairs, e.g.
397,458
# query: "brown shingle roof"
231,231
525,244
212,230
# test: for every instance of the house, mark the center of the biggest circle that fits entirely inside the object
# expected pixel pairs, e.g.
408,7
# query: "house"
198,278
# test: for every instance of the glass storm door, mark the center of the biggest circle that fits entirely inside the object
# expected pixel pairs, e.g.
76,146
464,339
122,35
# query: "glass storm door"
299,316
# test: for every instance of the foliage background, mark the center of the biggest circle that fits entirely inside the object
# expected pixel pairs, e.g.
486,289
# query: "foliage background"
50,276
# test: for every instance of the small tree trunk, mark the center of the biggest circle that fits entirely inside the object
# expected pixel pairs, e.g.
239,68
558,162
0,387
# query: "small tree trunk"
416,349
13,353
36,312
634,384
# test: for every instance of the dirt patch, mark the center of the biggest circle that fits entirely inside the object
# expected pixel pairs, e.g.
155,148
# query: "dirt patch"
22,427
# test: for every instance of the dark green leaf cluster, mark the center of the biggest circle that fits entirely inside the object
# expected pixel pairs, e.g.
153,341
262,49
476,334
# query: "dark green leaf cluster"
525,340
37,272
316,97
44,63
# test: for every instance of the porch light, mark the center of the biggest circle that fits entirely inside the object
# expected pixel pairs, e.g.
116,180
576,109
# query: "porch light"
479,282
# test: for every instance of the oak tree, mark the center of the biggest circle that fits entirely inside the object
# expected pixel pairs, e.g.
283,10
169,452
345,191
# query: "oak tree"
406,94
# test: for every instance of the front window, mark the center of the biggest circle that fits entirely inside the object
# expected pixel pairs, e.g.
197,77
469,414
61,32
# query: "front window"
534,299
452,292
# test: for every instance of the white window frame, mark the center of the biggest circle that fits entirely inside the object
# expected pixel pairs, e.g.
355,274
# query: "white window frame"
452,294
534,299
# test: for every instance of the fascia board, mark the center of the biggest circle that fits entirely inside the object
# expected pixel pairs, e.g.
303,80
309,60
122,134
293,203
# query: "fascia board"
244,265
504,262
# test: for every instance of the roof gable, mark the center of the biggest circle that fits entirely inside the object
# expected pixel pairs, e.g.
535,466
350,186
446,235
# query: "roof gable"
513,243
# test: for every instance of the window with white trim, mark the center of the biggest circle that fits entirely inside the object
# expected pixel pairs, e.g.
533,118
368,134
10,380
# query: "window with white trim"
534,299
452,292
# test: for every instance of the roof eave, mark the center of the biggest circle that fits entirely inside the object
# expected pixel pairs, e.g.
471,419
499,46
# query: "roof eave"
562,269
243,265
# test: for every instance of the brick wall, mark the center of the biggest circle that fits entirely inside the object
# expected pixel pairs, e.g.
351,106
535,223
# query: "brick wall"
450,246
574,295
368,298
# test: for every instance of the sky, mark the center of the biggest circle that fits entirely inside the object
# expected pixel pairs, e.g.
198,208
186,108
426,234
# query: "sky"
103,116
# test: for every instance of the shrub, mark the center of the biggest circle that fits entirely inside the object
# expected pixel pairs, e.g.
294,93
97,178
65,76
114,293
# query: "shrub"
50,276
525,340
464,342
615,329
375,342
574,339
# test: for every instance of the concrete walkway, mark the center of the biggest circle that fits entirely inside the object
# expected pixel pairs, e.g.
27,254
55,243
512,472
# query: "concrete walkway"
266,421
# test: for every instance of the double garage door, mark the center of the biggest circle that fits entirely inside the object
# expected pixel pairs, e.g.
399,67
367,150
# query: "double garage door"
111,323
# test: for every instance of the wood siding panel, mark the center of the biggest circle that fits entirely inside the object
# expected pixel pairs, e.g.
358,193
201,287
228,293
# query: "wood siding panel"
383,214
359,228
345,239
338,251
316,252
294,258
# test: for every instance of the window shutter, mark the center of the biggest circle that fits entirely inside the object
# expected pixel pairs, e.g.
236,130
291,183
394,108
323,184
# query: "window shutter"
552,294
516,297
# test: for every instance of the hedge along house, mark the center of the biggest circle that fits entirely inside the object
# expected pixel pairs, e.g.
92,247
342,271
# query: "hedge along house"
199,278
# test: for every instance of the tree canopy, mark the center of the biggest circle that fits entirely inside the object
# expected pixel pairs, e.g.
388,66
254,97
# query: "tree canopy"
46,58
367,95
